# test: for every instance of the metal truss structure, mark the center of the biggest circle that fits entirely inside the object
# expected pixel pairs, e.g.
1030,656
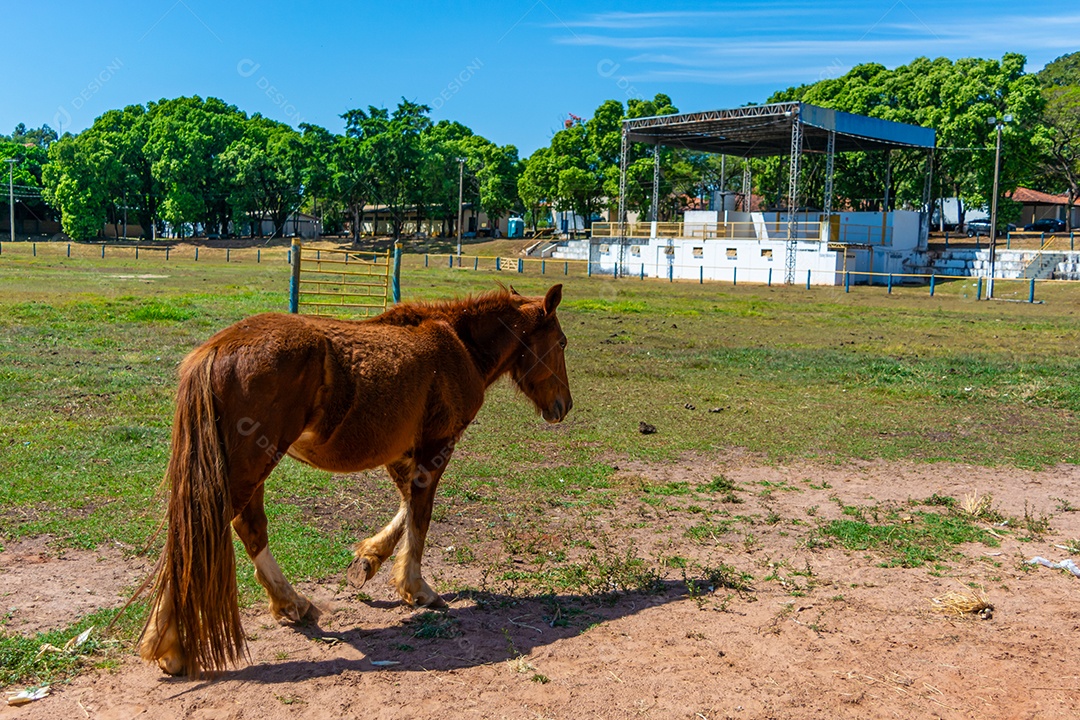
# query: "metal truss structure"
777,129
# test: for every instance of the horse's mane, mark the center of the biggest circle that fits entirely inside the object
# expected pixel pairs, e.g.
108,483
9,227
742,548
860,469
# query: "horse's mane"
415,312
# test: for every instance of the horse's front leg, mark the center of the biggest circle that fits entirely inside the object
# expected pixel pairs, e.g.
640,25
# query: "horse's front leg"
430,463
370,554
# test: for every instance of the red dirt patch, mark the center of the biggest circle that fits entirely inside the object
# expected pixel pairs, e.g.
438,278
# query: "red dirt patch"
825,632
44,589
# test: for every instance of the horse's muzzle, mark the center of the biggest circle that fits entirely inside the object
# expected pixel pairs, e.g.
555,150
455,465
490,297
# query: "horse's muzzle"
558,411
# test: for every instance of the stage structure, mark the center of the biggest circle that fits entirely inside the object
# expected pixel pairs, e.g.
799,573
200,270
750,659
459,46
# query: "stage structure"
791,129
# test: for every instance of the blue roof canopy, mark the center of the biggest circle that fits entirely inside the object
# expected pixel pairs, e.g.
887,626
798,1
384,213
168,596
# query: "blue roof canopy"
763,130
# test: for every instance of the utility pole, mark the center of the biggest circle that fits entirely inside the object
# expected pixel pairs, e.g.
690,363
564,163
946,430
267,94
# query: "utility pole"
460,188
11,195
998,125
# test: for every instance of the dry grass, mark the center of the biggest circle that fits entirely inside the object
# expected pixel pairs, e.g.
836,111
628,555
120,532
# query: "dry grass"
965,602
977,506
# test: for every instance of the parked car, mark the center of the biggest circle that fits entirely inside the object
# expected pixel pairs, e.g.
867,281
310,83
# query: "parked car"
982,227
1047,225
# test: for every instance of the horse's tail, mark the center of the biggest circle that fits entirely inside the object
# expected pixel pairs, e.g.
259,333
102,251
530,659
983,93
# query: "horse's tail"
194,623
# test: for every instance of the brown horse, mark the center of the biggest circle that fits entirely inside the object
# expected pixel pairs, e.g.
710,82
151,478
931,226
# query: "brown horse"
396,390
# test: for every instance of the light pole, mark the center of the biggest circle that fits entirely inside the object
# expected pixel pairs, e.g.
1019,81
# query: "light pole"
460,187
11,195
998,124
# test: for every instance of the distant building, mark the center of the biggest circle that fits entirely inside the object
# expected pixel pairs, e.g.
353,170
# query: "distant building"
1038,205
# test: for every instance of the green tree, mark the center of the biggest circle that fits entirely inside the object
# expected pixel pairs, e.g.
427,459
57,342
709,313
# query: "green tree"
1059,136
26,176
185,139
954,98
318,176
354,162
538,185
75,187
265,171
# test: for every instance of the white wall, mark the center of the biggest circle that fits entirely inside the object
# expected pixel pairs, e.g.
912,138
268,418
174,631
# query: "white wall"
691,259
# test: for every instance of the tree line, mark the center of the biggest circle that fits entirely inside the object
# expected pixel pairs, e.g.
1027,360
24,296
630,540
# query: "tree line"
202,163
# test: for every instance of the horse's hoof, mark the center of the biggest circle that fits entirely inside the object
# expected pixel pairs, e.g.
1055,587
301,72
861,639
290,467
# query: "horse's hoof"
294,611
359,572
435,603
430,600
171,664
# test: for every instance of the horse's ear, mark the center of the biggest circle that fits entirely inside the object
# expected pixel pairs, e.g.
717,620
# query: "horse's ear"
552,299
514,292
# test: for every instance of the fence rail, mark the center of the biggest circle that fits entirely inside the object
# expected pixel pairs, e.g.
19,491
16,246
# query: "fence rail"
338,276
847,278
196,253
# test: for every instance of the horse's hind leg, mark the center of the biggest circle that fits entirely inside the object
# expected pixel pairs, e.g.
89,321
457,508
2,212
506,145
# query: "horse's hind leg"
160,641
370,554
250,525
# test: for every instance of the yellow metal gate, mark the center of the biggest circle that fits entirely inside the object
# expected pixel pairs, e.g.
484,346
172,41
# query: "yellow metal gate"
339,282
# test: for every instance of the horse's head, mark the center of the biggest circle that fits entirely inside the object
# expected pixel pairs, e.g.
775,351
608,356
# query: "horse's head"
539,368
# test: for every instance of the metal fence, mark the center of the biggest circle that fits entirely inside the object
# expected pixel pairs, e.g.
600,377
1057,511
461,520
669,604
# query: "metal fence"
340,282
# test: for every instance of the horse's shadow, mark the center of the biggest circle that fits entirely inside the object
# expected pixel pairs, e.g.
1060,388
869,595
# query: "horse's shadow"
494,628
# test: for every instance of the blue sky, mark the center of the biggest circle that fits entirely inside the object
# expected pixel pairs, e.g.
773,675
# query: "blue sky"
511,70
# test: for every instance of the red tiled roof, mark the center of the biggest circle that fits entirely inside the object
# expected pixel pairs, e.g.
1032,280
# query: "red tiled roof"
1034,197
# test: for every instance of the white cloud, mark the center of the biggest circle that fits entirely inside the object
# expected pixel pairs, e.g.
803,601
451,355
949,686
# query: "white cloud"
802,49
637,20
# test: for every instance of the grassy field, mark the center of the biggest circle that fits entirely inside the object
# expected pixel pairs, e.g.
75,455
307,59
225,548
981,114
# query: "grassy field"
89,350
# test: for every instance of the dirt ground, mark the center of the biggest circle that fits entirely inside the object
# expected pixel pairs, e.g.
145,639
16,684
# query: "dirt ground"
824,632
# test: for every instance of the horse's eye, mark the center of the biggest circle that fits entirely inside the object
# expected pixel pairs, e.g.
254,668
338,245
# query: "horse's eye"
562,343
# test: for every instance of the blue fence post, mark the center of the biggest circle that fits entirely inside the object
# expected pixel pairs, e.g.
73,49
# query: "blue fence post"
228,252
978,289
395,280
258,255
294,276
735,275
701,275
521,265
136,252
670,273
1072,237
1008,240
807,279
69,249
566,268
932,278
166,252
196,253
288,256
588,265
1031,291
770,277
34,249
890,283
498,263
451,259
642,270
102,251
543,266
476,262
